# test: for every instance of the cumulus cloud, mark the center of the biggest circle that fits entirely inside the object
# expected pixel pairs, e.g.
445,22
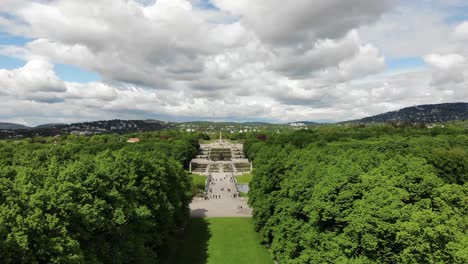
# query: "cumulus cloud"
413,29
324,54
289,23
243,60
172,39
449,70
461,31
117,37
34,81
444,62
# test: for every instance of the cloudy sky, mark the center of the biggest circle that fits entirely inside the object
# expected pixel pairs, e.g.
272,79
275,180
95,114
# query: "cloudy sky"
243,60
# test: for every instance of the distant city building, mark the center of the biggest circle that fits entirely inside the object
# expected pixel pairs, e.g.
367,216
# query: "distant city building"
81,133
297,124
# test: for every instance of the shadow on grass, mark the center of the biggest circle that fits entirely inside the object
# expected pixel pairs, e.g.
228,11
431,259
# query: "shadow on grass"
194,247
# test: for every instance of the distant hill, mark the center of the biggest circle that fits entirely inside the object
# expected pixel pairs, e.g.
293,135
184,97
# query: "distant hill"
251,123
50,125
86,128
421,114
118,126
12,126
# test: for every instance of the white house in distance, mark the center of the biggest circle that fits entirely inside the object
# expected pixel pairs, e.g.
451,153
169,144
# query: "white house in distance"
297,124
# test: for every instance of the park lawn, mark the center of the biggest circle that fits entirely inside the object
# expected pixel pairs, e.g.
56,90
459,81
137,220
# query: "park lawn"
222,240
243,194
244,179
198,179
198,184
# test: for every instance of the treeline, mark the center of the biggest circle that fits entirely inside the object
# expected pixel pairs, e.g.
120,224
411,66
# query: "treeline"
362,195
93,199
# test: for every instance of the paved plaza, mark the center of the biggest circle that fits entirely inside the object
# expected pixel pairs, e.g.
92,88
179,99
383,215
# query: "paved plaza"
222,199
221,196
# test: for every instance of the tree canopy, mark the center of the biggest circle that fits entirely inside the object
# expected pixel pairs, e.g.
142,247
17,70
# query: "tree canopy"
93,199
362,195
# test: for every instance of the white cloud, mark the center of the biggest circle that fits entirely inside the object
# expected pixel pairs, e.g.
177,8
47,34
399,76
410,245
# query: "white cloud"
461,31
324,54
294,22
35,81
444,62
271,60
413,29
126,41
449,68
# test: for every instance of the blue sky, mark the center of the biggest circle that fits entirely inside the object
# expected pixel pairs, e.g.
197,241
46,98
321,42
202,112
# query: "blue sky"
71,73
66,72
8,39
402,64
206,4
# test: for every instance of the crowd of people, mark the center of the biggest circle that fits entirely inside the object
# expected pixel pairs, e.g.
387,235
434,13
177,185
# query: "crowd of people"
215,186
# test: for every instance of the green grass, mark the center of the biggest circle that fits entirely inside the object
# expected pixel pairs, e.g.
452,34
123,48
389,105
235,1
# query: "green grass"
198,184
222,240
243,194
246,178
198,179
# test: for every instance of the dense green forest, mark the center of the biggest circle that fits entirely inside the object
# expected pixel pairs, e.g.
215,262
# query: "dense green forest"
375,194
96,199
335,194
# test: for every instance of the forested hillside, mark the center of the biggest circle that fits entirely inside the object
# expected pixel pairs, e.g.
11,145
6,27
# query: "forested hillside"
362,195
8,130
12,126
436,113
93,199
